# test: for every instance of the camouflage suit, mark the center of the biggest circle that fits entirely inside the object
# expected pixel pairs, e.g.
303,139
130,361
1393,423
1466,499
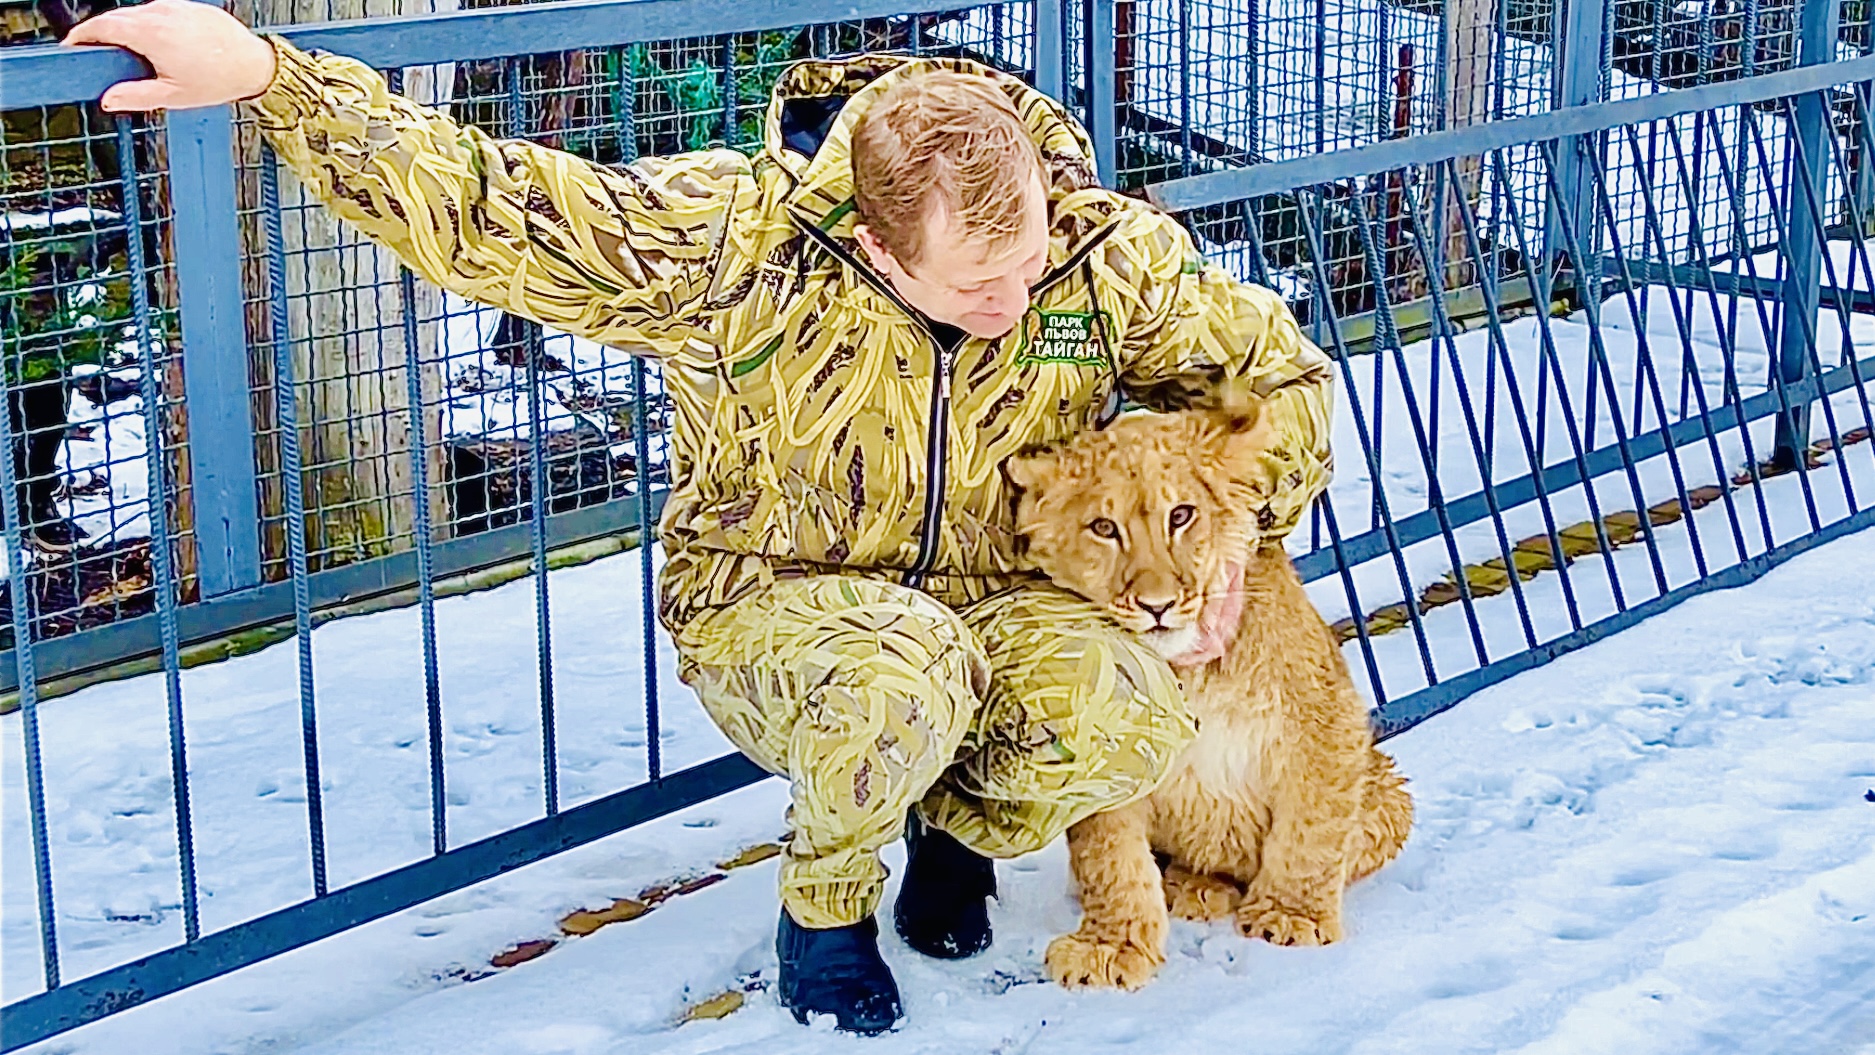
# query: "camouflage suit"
840,579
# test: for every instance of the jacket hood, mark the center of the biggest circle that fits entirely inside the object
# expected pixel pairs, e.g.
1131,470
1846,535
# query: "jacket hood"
816,105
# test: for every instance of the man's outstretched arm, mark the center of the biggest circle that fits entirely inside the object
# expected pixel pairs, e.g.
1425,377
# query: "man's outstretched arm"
624,257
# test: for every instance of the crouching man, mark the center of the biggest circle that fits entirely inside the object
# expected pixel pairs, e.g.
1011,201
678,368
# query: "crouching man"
915,277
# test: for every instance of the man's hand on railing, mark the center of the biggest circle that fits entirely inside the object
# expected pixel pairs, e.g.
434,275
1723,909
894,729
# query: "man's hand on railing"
202,55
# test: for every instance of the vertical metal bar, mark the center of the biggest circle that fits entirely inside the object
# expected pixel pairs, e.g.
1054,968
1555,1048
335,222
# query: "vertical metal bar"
292,483
1184,87
207,241
426,574
730,102
1254,87
1100,58
1051,75
641,450
1862,194
1814,358
1599,368
1370,453
1384,323
1321,76
1578,47
162,570
1774,378
1816,43
1726,322
1551,367
537,503
426,592
641,439
1859,254
1689,374
1357,614
28,679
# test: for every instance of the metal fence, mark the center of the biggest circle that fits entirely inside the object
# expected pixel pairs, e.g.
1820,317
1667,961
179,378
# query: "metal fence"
1599,290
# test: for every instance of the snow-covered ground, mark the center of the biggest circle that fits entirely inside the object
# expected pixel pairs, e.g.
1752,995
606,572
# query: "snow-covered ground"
1659,844
115,862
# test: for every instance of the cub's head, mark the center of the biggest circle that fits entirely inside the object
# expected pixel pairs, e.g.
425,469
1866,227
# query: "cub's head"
1150,517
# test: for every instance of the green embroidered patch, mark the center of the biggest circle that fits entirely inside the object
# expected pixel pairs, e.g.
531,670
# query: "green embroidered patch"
1061,338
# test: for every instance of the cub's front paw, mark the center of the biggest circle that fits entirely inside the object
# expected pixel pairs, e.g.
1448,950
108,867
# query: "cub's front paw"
1199,897
1281,923
1082,960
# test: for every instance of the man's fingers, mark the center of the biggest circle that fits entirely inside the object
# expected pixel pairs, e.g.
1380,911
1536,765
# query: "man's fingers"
141,96
117,28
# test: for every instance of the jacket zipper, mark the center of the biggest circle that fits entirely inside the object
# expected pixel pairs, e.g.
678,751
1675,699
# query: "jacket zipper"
937,435
937,467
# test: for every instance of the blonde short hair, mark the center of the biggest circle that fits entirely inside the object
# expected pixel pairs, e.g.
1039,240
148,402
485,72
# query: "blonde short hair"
942,140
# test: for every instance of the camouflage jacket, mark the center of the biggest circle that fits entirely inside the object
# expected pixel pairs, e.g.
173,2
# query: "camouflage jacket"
820,426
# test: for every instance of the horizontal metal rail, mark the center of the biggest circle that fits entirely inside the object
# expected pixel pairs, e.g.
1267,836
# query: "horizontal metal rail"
1567,472
1397,716
49,1013
1684,277
1282,177
215,617
53,74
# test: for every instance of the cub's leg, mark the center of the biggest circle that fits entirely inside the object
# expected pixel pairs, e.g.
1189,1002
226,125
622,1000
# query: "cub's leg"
1387,819
1315,825
1121,940
1190,895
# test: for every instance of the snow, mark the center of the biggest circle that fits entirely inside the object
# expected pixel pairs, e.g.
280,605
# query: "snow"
1658,844
104,464
487,398
1610,849
55,219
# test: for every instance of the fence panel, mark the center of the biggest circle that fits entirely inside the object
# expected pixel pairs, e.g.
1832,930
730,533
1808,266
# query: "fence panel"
1584,374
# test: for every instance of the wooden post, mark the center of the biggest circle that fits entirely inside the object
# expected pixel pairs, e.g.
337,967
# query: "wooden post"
347,315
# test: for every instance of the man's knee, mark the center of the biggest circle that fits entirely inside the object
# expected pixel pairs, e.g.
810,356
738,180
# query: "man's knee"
836,657
1129,715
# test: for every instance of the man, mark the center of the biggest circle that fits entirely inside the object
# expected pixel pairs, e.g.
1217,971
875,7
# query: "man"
915,278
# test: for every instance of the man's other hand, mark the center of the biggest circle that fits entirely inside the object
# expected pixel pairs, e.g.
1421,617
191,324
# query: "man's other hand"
202,55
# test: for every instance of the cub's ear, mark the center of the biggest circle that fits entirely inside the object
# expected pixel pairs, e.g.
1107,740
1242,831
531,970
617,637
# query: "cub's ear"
1246,429
1031,469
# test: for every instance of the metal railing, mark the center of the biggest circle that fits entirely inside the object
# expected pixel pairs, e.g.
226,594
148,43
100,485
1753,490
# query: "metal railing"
1600,349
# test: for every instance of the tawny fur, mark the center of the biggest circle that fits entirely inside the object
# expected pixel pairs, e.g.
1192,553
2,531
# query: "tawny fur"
1283,799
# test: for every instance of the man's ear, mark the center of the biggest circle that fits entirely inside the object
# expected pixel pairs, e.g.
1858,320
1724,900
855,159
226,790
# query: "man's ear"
877,254
1031,469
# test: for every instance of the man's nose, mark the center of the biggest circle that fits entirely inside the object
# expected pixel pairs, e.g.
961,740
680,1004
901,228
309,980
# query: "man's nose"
1008,298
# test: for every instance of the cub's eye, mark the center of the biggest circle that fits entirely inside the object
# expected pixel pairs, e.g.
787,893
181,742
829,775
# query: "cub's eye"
1181,516
1105,528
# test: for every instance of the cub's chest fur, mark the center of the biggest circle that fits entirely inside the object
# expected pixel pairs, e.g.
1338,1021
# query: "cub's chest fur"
1240,737
1214,805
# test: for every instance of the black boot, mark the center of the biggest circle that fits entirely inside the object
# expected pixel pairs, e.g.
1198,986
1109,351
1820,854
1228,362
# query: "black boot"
942,909
836,972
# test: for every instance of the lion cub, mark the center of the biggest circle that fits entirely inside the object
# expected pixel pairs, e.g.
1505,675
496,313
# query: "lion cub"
1282,799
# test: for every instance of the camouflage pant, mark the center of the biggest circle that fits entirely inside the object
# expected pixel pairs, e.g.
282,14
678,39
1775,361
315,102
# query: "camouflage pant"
1005,721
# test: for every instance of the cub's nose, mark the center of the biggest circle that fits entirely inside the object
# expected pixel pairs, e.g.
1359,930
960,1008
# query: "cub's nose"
1157,611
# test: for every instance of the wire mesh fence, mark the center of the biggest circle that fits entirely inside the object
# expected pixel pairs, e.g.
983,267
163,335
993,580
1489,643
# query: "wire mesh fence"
73,367
1585,370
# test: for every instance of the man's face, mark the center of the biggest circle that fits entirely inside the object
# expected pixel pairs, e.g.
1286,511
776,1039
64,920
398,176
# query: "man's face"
978,288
